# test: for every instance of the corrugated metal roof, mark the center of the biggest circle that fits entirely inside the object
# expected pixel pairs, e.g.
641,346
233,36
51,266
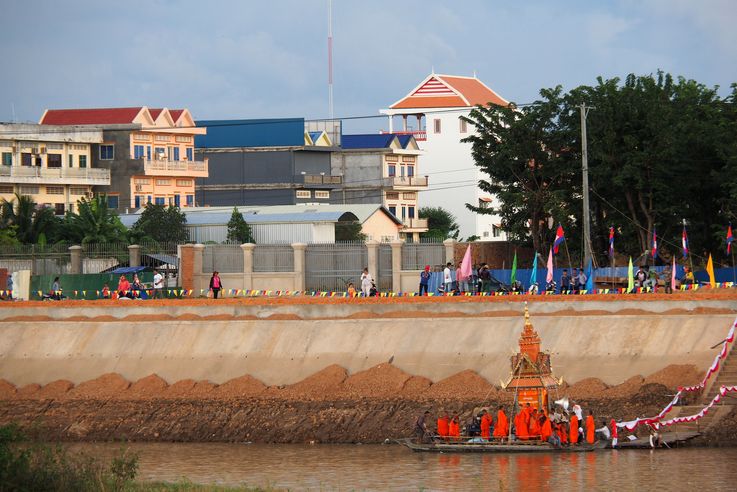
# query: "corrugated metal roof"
221,217
367,141
361,210
277,132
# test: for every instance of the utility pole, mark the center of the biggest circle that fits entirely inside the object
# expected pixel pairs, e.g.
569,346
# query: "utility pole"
330,60
587,249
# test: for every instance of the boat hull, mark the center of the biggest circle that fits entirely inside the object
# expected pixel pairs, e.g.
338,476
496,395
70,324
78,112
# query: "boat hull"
496,447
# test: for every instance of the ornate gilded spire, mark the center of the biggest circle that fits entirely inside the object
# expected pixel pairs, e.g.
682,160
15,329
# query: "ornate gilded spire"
529,340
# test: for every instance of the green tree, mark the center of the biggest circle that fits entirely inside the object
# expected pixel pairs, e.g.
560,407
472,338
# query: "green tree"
238,228
161,224
441,223
33,224
93,222
529,159
349,231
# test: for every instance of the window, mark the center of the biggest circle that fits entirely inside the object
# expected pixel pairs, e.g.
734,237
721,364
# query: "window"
142,181
79,147
112,202
483,202
54,190
183,139
410,171
6,143
190,200
82,161
184,182
138,151
28,190
190,154
71,160
148,199
160,200
140,136
436,125
55,146
392,196
162,138
393,210
53,160
409,196
304,194
324,195
392,170
176,153
486,234
148,152
26,159
496,231
411,212
392,158
58,209
163,182
6,189
463,126
107,153
76,190
177,201
7,158
137,202
160,152
408,158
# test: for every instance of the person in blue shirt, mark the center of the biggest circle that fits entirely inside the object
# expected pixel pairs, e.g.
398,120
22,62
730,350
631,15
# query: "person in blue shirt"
424,279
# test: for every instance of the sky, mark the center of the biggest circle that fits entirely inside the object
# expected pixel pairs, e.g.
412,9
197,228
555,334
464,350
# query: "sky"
268,59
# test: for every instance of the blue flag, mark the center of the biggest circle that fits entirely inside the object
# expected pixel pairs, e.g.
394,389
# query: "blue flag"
533,274
589,278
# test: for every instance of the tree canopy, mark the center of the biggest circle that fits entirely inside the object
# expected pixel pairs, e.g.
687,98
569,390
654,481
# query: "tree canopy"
161,224
661,150
94,222
31,224
441,223
238,228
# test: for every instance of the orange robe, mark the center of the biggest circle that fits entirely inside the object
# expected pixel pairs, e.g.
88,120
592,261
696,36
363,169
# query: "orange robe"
546,430
454,429
574,429
502,425
443,426
534,428
520,424
590,429
486,421
562,434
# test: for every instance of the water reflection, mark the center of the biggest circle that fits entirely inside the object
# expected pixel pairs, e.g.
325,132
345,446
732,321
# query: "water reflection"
371,467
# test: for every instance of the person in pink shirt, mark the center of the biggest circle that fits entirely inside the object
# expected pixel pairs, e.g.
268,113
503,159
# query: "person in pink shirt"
215,284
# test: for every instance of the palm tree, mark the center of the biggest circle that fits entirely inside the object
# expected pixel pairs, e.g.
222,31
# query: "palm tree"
33,224
94,222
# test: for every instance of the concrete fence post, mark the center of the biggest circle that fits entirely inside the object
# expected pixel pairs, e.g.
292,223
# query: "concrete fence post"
450,251
248,265
75,259
187,275
134,255
397,266
372,250
299,265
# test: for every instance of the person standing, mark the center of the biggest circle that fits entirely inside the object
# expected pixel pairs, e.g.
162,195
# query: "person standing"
613,425
444,425
215,284
10,286
581,280
447,278
574,281
158,284
565,282
667,276
124,288
421,426
454,427
424,279
573,431
56,289
366,282
590,428
501,430
486,421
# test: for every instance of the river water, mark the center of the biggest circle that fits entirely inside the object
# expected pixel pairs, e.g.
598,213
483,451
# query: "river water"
391,467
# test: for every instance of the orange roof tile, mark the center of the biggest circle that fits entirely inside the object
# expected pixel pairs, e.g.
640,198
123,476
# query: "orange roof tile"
94,116
446,91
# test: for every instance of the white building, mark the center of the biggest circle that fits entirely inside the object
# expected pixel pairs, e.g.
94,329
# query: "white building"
431,112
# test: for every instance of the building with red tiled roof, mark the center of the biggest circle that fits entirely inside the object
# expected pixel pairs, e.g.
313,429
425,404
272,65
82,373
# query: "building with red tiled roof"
433,112
149,152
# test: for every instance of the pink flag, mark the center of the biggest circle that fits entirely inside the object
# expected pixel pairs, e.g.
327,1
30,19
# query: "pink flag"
466,267
673,275
549,278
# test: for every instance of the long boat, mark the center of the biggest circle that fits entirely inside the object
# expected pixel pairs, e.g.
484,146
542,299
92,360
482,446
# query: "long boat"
474,446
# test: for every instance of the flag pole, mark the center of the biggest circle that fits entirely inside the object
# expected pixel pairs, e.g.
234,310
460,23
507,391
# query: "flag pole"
734,272
570,263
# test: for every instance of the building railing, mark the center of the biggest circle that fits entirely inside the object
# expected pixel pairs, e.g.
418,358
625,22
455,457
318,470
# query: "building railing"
406,181
72,175
415,223
319,179
420,135
180,168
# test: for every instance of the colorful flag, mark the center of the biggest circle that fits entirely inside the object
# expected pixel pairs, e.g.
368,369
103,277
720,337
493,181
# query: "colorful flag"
549,276
684,242
533,274
729,239
630,277
611,242
655,244
466,267
710,271
673,275
559,238
514,269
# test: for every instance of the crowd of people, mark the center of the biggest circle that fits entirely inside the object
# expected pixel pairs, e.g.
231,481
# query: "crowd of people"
529,424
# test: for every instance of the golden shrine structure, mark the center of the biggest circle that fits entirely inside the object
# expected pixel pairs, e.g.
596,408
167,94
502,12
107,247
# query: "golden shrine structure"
531,377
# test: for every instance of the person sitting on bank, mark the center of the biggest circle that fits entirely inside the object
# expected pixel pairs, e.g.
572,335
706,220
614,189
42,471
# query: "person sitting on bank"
688,278
603,433
215,284
105,291
136,286
56,289
351,290
124,288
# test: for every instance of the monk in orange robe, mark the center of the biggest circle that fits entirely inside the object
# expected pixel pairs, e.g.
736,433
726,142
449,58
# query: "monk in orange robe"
454,428
486,421
501,431
590,428
534,426
562,434
443,422
546,430
574,429
520,425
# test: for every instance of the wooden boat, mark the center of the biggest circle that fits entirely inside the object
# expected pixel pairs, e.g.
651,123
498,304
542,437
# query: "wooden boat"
667,440
473,446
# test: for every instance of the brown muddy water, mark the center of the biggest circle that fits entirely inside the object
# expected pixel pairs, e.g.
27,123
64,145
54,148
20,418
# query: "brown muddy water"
391,467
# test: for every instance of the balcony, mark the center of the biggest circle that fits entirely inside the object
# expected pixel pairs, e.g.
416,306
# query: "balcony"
406,182
184,169
320,180
55,175
420,135
414,225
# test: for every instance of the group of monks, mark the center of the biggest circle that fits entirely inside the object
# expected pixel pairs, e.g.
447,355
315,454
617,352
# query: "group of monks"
530,424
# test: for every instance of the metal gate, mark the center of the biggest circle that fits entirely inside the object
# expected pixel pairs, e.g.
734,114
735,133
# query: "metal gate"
329,267
384,261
